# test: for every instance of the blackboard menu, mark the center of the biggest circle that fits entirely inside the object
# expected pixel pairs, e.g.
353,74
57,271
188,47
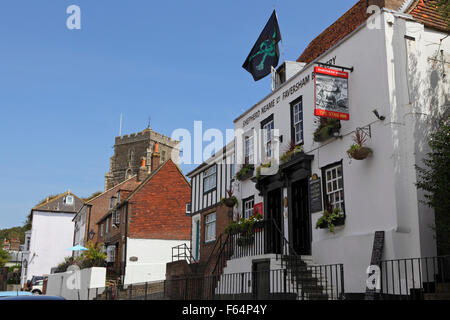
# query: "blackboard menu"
315,195
377,253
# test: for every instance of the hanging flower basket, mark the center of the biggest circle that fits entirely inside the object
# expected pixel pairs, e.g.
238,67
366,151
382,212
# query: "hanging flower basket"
229,202
360,153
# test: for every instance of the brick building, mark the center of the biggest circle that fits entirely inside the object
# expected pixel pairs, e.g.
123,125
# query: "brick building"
210,183
129,150
145,222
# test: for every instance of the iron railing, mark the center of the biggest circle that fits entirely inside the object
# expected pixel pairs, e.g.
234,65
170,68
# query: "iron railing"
415,278
182,252
318,283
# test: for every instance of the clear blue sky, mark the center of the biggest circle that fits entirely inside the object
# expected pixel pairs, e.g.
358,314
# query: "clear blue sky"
62,91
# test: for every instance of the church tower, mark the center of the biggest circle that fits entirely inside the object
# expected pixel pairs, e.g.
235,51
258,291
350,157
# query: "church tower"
130,150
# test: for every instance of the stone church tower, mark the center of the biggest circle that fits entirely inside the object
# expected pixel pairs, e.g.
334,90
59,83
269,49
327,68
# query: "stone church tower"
130,150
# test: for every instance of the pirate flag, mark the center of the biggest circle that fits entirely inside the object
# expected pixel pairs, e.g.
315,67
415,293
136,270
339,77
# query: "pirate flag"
264,54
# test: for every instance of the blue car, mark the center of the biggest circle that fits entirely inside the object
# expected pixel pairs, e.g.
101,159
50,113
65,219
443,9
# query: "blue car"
24,295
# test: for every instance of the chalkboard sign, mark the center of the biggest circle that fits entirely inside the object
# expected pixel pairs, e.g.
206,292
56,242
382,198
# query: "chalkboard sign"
315,195
377,253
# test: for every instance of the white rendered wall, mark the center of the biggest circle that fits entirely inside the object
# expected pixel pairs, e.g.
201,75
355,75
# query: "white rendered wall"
51,236
75,285
380,192
152,257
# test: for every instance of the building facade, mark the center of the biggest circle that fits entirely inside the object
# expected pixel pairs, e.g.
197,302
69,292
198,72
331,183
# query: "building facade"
293,166
144,224
51,235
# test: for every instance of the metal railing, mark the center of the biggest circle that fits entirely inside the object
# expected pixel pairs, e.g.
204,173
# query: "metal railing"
318,283
415,278
182,252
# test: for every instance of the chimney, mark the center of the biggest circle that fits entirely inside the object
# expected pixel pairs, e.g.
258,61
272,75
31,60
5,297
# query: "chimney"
142,173
155,157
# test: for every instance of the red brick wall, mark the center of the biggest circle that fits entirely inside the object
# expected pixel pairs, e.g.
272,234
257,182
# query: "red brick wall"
100,206
158,209
223,219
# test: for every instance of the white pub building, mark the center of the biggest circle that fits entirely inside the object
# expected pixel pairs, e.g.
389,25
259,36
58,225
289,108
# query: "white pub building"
385,81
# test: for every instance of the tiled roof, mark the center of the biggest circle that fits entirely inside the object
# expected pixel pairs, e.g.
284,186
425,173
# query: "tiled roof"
423,11
352,19
426,12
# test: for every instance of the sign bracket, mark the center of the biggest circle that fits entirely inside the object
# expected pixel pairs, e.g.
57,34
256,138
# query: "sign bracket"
334,66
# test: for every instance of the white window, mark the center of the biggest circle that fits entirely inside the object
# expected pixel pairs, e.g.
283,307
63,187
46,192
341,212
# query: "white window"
248,152
107,226
209,179
297,112
101,230
117,217
335,187
210,227
268,137
118,196
68,200
248,208
112,202
111,254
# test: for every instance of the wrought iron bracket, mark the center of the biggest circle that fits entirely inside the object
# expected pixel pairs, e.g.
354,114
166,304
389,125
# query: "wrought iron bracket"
367,131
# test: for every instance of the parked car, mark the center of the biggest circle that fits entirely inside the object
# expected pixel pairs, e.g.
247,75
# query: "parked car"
37,287
5,294
30,297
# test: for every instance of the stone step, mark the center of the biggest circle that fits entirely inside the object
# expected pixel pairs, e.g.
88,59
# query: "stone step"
437,296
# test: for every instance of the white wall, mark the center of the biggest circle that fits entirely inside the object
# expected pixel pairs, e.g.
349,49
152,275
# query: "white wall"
153,255
380,192
74,285
51,236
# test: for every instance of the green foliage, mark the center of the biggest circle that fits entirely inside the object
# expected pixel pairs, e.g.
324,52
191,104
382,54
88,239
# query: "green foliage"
329,219
258,169
285,157
13,233
434,179
233,198
4,257
444,10
241,174
326,128
93,257
244,228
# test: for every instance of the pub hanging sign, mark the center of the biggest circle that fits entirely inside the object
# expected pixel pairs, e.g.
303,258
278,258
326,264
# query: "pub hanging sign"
331,93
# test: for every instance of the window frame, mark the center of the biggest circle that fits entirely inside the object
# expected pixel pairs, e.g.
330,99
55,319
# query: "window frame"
249,148
264,123
244,209
205,177
294,103
341,190
207,226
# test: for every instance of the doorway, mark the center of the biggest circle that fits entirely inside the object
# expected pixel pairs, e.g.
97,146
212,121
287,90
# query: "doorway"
261,279
274,212
301,219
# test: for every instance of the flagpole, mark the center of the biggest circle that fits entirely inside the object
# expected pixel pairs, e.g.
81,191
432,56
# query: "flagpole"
282,43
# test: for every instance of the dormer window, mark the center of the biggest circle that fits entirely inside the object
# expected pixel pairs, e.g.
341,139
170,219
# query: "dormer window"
68,200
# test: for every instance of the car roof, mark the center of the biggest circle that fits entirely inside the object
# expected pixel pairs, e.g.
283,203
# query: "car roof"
14,293
32,297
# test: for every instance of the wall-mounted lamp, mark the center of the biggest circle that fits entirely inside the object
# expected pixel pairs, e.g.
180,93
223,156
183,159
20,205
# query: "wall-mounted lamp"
375,112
